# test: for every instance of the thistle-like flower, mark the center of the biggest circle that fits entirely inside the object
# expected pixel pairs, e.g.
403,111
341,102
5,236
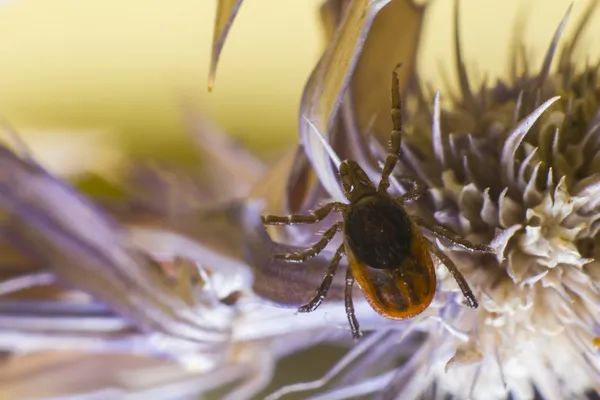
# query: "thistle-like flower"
514,165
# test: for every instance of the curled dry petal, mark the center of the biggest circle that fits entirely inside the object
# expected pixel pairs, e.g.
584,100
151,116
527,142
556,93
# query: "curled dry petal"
360,56
394,38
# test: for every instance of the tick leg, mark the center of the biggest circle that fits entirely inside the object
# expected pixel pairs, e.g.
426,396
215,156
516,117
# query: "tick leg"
453,269
451,236
314,249
396,135
417,190
315,216
326,283
354,327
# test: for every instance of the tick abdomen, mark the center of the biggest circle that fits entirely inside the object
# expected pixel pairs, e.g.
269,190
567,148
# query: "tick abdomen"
378,231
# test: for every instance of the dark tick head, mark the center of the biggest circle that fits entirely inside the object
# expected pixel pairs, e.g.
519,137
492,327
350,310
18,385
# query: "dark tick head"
355,182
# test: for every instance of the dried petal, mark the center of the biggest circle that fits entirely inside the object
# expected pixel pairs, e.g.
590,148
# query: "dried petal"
226,12
341,65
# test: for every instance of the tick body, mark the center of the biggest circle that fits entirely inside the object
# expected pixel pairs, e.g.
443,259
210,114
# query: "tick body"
388,256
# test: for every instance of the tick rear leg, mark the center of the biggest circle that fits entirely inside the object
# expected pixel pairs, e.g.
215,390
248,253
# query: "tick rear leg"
326,283
453,269
455,239
396,135
354,326
314,249
315,216
417,190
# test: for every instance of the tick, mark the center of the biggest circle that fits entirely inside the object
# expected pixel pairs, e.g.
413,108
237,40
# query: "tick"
388,256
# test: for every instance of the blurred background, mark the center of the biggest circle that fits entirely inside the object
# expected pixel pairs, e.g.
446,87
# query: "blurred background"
116,73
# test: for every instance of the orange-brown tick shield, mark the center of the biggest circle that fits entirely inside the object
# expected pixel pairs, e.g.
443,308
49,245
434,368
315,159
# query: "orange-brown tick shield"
389,257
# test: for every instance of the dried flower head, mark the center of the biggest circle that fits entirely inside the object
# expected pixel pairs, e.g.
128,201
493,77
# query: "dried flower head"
514,165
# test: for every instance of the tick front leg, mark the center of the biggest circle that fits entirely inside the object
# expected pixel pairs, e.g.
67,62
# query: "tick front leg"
396,135
455,239
453,269
326,283
417,190
354,326
315,216
314,249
